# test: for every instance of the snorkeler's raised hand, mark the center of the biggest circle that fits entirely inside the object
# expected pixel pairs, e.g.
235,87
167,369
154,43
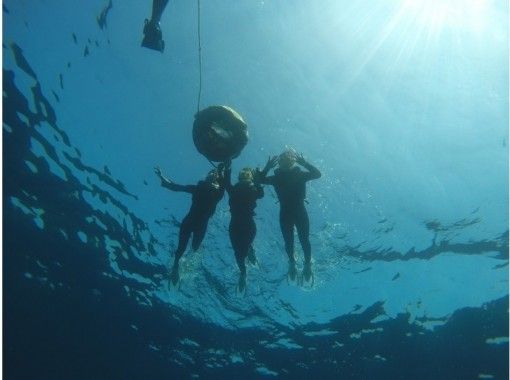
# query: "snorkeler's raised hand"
271,163
164,180
300,159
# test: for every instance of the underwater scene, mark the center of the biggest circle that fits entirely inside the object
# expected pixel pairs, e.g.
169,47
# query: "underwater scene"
256,189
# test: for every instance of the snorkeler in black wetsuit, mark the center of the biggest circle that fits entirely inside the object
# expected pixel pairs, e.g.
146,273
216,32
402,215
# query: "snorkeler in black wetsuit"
242,229
205,196
152,35
289,182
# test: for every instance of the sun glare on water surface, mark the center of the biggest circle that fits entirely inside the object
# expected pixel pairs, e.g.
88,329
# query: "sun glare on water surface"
438,14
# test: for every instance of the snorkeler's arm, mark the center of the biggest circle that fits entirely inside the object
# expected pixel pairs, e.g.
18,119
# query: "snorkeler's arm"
264,180
166,183
260,191
262,177
228,180
175,187
313,172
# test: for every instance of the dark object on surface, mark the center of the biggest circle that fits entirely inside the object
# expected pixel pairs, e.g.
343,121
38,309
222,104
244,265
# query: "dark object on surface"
219,133
56,96
20,60
101,19
152,36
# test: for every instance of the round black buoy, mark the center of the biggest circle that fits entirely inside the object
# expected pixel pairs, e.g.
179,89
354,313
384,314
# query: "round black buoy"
219,133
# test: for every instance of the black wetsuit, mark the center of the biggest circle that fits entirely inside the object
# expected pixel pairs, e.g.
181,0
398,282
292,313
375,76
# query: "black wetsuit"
205,197
290,187
158,6
152,35
242,229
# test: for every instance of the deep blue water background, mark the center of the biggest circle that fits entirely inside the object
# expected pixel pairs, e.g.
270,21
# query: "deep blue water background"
406,116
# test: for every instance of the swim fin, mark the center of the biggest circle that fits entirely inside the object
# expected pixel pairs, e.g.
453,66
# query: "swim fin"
152,36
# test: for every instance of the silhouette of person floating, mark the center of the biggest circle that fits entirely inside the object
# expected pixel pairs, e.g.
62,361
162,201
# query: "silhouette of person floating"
289,182
205,196
152,35
242,229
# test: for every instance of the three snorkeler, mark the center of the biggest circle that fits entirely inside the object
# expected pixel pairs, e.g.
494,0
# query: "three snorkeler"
289,182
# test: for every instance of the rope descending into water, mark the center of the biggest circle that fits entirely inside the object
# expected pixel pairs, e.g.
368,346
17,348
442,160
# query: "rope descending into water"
199,60
200,66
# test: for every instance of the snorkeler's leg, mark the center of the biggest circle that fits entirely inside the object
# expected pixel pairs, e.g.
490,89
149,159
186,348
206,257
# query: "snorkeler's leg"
199,234
287,227
236,239
303,230
250,251
240,259
158,6
152,35
252,258
184,235
242,236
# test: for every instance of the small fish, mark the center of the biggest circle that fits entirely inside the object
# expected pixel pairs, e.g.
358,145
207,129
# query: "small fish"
101,19
56,96
500,266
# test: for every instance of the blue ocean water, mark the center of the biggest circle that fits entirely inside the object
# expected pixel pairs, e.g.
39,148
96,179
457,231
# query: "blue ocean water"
402,105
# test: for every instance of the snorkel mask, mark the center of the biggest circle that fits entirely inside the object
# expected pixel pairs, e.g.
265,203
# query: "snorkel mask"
245,175
287,159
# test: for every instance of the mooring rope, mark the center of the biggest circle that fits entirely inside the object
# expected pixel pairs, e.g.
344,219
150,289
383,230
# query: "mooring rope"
199,59
200,66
